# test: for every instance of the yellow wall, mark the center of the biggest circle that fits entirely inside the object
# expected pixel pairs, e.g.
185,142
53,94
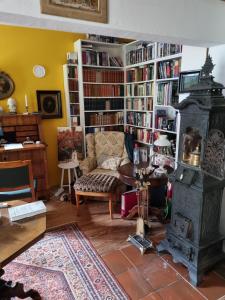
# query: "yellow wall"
21,49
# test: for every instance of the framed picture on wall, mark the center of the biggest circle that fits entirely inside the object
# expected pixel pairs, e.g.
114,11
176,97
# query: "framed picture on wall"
6,85
89,10
187,80
49,104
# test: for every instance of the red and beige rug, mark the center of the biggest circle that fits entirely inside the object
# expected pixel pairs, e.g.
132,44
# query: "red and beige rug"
65,266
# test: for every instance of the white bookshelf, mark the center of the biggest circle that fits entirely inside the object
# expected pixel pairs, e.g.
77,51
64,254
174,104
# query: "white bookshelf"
71,94
161,57
144,90
101,88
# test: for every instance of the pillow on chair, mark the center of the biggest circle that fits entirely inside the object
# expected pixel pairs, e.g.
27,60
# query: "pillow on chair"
108,162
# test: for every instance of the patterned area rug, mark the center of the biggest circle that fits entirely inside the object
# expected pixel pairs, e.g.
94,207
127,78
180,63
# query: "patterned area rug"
64,265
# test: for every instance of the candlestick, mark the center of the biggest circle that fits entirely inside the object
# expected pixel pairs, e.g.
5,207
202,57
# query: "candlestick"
26,105
26,101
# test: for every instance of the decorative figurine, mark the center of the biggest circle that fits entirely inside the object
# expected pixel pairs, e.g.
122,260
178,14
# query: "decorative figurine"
12,105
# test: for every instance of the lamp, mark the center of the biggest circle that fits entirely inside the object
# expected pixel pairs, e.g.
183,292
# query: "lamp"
163,145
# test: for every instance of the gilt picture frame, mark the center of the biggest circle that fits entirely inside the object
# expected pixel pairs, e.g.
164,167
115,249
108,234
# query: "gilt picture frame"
7,86
49,104
89,10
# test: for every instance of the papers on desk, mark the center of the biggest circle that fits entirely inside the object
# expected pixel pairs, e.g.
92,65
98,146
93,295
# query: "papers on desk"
13,146
26,210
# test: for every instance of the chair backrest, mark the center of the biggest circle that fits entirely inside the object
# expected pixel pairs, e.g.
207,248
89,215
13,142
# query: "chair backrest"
106,142
17,176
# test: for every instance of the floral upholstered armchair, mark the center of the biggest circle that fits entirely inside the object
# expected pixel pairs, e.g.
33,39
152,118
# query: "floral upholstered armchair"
105,153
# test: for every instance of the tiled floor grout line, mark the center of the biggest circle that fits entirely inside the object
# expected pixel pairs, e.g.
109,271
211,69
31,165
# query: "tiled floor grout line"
154,290
184,278
218,274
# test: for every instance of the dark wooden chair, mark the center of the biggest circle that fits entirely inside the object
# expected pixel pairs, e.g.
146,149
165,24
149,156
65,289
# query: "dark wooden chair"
16,181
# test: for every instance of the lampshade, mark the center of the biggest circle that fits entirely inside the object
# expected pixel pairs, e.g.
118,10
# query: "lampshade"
162,141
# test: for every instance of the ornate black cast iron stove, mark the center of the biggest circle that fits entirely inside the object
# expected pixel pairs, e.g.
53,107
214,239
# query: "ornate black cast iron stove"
193,236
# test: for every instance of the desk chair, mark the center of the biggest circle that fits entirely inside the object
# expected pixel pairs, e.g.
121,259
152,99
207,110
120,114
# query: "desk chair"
16,181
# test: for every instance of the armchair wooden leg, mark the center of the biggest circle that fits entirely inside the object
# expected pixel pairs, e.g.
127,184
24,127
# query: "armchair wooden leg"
77,201
111,197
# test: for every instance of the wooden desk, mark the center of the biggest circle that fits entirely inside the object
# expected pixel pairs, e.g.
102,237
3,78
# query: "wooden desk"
37,154
15,238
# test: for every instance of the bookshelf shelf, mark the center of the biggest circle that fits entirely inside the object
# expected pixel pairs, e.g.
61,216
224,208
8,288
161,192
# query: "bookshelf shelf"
103,110
109,83
144,143
140,64
167,79
104,125
137,82
103,97
138,110
143,127
103,67
169,57
168,131
150,96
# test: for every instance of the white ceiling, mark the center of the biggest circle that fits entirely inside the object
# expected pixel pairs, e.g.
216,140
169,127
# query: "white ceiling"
190,22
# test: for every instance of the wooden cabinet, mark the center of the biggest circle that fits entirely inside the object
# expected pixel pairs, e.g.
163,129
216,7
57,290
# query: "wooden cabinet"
16,128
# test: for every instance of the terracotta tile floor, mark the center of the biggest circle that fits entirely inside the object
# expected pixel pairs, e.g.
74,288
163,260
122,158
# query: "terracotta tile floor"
145,277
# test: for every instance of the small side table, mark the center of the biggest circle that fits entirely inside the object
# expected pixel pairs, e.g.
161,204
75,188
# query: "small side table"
69,166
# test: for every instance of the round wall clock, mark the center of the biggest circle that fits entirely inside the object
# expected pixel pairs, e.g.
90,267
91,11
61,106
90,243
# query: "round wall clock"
6,85
39,71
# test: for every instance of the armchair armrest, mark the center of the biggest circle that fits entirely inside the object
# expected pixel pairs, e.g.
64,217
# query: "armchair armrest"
124,161
88,164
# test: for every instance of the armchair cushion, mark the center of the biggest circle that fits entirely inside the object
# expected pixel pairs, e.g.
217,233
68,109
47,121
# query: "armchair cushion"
108,162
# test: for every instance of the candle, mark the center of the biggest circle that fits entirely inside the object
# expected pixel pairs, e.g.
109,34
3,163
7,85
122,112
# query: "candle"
26,101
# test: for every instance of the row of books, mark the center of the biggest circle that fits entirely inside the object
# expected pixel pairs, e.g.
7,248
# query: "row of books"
103,104
142,119
144,135
168,69
100,58
103,90
74,97
168,93
144,52
74,109
135,89
165,49
141,134
111,76
73,85
99,129
139,104
72,72
140,74
104,118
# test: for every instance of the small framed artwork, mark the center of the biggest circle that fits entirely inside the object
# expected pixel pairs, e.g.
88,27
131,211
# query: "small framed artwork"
187,80
49,104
